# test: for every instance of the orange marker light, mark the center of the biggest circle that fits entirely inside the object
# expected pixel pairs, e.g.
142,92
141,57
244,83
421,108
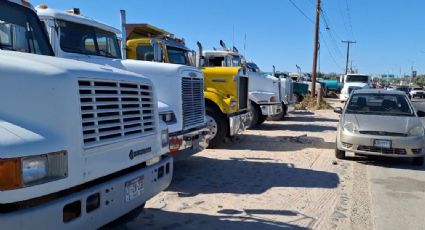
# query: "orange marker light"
10,174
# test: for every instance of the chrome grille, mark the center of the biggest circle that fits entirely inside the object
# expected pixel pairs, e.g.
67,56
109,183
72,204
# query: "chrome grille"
112,111
193,102
291,91
243,93
382,150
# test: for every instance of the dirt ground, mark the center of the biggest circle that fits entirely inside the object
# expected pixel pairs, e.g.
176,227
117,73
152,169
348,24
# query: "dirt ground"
281,175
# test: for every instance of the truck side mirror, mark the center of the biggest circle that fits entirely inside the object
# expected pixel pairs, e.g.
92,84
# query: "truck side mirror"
157,51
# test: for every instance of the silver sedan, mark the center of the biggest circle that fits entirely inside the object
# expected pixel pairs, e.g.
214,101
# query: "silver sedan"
380,122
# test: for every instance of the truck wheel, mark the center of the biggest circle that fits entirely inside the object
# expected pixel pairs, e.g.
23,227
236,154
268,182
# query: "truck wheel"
261,119
217,124
255,114
298,98
419,161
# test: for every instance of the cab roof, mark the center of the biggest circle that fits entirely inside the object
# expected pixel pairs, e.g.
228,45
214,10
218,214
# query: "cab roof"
71,17
134,31
219,53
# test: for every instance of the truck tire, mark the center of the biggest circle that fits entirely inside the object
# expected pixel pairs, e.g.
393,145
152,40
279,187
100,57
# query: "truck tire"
419,161
261,119
298,98
255,115
217,125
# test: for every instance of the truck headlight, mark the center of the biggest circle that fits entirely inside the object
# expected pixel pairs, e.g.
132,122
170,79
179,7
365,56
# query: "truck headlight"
417,131
28,171
164,138
34,168
232,103
168,117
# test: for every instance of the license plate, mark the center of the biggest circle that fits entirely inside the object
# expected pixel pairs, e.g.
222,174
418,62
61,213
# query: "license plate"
382,143
134,188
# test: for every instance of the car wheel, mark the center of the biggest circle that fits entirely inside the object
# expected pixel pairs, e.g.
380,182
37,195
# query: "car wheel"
340,154
419,161
217,125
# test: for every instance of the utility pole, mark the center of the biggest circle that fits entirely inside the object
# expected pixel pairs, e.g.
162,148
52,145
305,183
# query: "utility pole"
348,53
316,46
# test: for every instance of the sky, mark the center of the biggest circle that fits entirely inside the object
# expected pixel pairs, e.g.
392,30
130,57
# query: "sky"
389,33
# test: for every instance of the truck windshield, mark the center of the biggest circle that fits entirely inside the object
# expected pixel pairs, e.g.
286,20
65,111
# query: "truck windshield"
83,39
379,104
178,56
236,60
357,78
21,30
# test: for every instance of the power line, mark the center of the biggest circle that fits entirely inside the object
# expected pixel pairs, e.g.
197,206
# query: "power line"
343,18
301,11
330,34
349,18
329,52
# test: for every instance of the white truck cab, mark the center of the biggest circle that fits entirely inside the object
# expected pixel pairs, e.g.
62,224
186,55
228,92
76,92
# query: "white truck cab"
352,82
80,144
263,89
179,87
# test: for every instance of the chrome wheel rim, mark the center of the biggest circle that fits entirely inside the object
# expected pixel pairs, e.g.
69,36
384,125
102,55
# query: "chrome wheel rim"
212,126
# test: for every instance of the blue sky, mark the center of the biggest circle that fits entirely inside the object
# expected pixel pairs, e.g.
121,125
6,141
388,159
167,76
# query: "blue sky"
389,34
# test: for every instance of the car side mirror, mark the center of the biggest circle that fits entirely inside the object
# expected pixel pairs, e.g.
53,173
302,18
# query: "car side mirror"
420,113
339,110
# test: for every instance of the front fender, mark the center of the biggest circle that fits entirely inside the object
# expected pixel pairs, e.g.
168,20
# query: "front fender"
221,100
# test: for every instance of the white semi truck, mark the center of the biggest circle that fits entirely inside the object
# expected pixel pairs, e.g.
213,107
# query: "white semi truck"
263,90
80,144
179,87
352,82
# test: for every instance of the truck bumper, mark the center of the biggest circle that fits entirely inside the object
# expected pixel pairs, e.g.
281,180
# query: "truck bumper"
239,123
185,145
112,203
271,110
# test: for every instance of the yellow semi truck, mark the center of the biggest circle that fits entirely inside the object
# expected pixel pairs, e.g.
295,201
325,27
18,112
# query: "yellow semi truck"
225,88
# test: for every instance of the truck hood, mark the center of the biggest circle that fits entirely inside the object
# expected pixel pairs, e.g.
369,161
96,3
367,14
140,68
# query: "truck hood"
394,124
262,83
10,61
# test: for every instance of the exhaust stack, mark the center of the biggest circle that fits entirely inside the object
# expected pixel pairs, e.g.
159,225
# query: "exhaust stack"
123,35
200,51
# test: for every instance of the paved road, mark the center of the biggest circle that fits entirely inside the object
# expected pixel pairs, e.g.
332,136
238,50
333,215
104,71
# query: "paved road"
397,189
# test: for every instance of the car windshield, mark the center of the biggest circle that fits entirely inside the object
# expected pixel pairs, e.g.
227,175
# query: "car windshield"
417,88
379,104
83,39
21,30
178,56
357,78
